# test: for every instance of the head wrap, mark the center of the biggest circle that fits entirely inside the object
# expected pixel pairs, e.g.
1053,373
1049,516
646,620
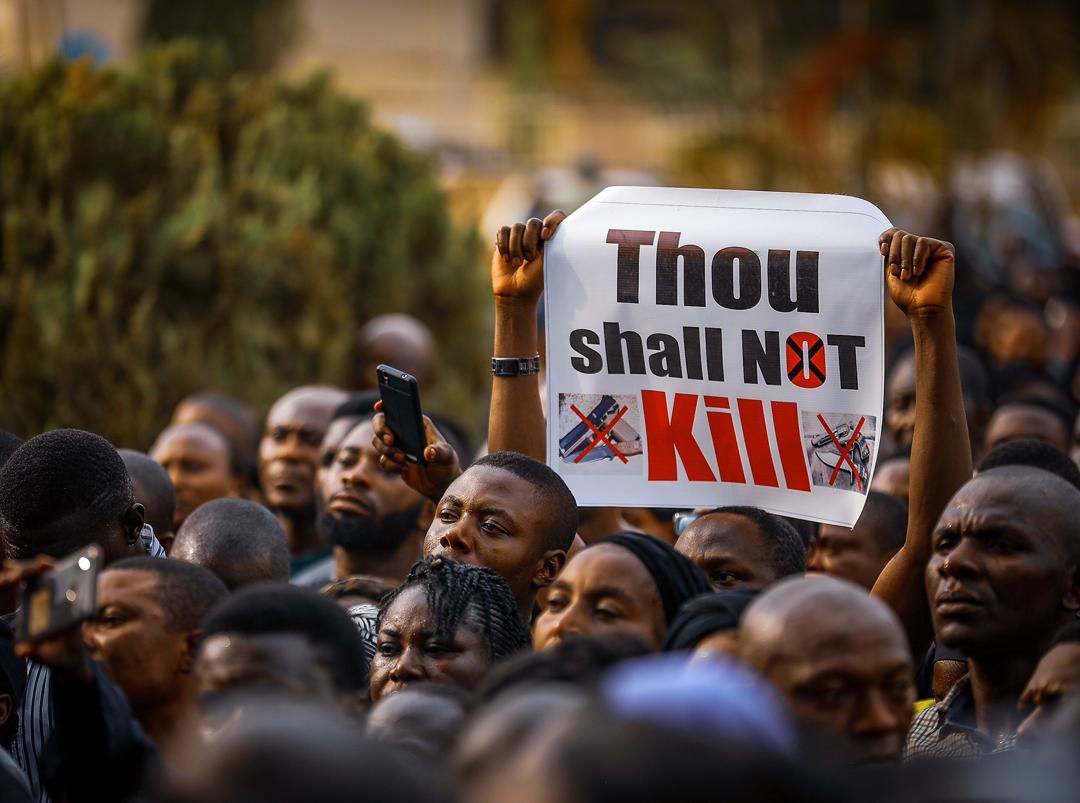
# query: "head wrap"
719,696
676,577
702,616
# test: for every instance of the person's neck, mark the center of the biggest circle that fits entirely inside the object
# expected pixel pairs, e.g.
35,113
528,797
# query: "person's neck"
300,528
163,720
996,686
390,565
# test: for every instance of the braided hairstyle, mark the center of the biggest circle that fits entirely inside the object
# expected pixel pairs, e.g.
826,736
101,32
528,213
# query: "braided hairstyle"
458,593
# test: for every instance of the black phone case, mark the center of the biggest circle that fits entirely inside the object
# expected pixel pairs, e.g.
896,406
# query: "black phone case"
401,405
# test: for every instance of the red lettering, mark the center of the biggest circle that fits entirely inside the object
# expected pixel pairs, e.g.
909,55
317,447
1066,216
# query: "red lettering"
726,447
668,436
785,416
756,436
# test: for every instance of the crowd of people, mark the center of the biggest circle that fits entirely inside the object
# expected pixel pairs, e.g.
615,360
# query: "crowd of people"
296,611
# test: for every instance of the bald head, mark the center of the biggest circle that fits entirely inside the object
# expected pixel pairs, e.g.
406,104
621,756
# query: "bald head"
200,462
839,656
237,540
225,413
289,449
395,339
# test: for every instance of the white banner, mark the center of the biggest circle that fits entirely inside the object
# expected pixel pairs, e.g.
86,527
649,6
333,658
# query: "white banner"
711,347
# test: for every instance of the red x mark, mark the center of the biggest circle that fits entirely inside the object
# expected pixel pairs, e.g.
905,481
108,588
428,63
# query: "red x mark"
845,451
601,436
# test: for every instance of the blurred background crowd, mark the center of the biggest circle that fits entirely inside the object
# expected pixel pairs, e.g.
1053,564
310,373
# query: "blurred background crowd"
208,194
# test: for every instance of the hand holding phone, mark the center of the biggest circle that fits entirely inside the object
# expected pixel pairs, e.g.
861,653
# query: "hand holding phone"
57,600
400,395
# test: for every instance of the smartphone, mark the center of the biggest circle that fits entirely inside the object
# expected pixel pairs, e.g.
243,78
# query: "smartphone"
401,405
54,602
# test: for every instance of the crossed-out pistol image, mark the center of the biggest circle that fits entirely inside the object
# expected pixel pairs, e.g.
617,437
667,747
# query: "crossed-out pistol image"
610,436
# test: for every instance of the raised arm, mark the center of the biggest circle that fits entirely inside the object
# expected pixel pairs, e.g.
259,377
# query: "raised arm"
919,277
516,421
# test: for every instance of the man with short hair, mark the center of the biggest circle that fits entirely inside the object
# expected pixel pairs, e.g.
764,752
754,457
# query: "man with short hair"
201,464
743,547
373,520
238,541
289,460
337,647
512,514
154,490
59,492
359,407
840,659
145,635
1003,579
1031,452
226,414
860,553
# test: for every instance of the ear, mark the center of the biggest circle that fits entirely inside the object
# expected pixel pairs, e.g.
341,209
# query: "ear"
134,519
1071,600
548,568
7,705
188,650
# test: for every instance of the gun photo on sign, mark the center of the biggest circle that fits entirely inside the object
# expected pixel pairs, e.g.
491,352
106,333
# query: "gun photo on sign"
582,444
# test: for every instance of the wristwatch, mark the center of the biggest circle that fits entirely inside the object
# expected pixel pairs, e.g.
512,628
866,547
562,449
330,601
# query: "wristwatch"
515,366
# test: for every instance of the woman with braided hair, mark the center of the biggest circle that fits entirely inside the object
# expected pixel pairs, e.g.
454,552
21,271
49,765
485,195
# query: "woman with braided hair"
447,623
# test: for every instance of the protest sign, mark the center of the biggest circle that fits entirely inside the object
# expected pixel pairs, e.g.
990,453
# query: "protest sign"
709,347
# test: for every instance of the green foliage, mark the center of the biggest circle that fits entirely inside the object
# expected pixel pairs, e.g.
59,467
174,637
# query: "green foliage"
258,32
177,226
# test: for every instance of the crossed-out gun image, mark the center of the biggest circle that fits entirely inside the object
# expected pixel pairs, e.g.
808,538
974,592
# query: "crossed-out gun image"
623,436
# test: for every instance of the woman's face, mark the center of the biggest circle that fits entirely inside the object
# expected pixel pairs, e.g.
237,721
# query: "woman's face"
604,589
409,651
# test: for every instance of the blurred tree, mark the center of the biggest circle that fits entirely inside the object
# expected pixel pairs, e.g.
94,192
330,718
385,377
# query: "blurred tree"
258,33
178,226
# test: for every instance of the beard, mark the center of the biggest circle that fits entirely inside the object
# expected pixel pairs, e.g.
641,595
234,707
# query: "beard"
363,536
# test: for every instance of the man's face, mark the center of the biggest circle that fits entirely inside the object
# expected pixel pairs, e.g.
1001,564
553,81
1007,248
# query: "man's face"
366,507
198,462
604,589
1056,677
730,550
850,554
289,453
409,649
998,575
852,679
490,517
900,402
328,449
134,640
1017,421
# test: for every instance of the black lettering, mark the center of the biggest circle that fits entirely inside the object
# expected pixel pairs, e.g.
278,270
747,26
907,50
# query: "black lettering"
723,278
592,363
714,353
761,358
628,274
691,336
806,281
846,357
613,343
666,360
667,272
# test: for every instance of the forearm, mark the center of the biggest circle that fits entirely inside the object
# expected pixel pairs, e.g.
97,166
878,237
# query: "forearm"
940,464
516,421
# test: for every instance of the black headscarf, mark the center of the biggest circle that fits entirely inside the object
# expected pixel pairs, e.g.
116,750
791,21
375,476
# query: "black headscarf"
676,577
702,616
